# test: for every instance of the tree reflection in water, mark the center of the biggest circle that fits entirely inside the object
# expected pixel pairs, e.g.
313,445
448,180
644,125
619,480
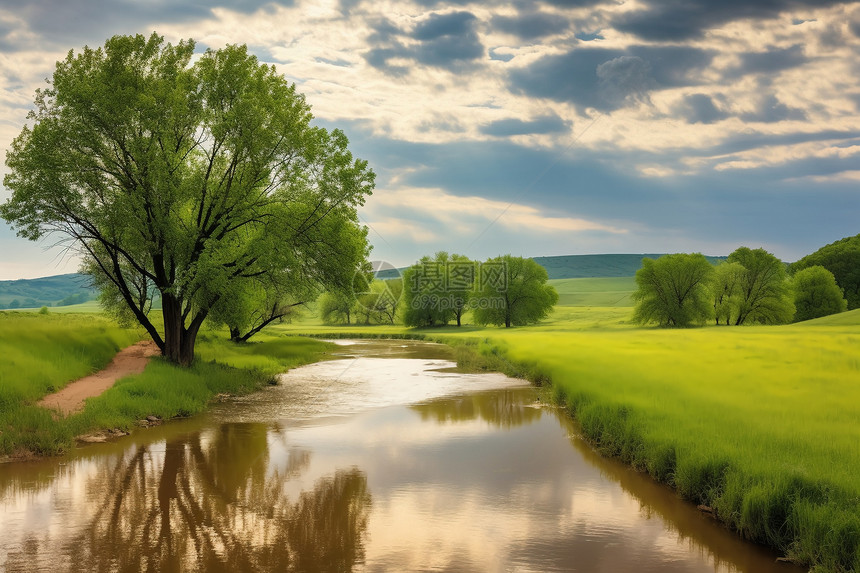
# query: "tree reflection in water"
212,502
502,409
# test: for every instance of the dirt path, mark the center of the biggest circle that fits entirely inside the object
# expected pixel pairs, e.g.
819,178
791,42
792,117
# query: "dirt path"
128,361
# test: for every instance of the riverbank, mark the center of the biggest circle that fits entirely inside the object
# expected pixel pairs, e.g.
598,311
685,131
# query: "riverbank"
758,425
46,352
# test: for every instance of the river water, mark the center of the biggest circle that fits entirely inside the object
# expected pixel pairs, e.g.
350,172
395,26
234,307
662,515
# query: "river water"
382,460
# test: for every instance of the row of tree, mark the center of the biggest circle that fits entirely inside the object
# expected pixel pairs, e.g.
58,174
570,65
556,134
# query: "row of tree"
751,286
438,290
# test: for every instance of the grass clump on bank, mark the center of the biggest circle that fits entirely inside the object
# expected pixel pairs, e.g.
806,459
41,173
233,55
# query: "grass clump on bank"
47,352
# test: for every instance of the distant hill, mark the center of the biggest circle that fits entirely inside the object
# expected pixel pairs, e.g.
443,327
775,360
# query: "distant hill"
578,266
58,290
598,266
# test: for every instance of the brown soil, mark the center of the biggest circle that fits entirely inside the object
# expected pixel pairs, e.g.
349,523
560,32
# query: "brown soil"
128,361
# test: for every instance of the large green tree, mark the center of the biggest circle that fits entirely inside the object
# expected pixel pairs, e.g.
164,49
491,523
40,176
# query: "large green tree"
816,293
764,293
842,258
512,291
674,290
195,176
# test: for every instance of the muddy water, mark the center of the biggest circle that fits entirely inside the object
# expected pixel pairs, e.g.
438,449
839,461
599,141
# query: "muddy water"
384,460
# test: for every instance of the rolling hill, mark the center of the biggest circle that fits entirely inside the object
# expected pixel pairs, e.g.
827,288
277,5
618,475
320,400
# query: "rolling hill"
58,290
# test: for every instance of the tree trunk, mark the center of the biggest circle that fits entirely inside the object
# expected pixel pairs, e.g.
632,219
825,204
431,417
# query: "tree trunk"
235,334
178,340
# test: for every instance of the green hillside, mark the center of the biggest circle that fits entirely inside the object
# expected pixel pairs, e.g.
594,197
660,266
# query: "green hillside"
59,290
605,292
596,266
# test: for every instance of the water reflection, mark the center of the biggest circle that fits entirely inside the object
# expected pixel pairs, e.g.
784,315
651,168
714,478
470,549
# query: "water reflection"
500,408
207,501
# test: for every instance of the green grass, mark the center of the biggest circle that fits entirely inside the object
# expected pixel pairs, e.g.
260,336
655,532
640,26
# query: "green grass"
42,353
602,292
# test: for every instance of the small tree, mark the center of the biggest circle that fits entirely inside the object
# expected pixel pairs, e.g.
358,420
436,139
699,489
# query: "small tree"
765,296
816,294
336,307
512,291
380,302
673,290
842,258
725,288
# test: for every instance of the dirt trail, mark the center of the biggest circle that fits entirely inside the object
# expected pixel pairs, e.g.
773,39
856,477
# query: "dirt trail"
128,361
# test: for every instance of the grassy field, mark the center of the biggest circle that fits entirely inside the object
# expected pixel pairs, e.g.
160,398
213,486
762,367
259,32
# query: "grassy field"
42,353
761,423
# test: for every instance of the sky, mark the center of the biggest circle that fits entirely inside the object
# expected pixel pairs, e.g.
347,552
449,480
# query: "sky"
532,128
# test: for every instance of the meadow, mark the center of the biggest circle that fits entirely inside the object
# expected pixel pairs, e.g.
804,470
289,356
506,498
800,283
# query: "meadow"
758,424
44,352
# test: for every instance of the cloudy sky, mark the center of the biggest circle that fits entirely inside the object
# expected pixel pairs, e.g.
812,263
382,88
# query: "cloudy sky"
532,128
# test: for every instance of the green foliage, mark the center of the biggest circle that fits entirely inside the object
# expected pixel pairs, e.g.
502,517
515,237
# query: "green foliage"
816,293
192,178
726,291
437,290
842,258
764,293
337,307
673,290
512,291
378,302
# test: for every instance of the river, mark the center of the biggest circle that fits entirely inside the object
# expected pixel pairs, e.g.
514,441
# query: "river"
382,460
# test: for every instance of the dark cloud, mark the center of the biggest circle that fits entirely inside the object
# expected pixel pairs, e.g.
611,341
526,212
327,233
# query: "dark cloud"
700,108
854,23
541,125
769,62
608,79
441,40
764,205
70,23
529,26
577,3
675,20
771,110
